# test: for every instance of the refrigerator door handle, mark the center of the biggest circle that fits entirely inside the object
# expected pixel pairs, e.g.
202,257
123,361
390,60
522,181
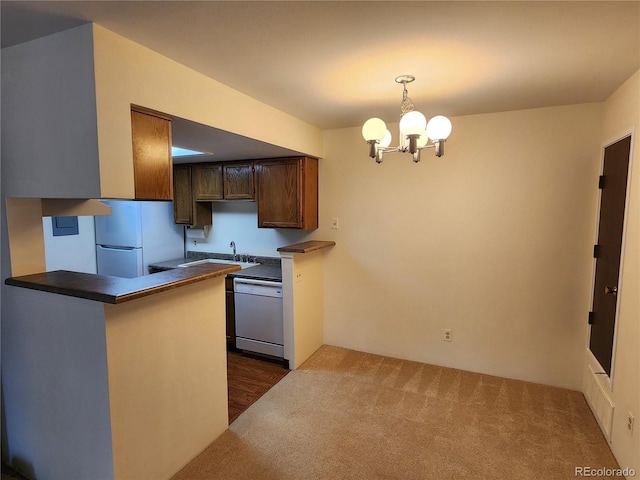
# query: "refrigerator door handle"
114,247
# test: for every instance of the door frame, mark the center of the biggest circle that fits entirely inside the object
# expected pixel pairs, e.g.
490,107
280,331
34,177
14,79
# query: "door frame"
608,379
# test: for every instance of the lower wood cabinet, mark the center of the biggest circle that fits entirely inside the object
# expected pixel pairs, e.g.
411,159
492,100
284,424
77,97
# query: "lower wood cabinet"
287,193
186,210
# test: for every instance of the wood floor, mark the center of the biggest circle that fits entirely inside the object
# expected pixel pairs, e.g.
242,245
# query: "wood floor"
248,379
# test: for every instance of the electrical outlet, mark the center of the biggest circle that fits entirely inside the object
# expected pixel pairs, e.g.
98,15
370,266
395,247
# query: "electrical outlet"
630,421
334,223
447,334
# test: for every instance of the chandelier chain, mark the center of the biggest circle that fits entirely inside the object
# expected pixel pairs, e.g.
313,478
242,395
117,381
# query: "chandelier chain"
407,104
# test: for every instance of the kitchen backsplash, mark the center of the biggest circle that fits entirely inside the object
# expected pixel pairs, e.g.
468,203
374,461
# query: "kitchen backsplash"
224,256
238,222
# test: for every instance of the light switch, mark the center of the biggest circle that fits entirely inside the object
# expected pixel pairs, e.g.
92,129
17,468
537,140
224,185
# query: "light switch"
334,223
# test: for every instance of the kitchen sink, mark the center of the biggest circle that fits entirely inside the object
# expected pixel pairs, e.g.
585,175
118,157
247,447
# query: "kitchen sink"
243,265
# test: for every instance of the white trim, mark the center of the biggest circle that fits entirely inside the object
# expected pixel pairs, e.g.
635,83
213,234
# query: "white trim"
600,402
608,379
286,261
592,364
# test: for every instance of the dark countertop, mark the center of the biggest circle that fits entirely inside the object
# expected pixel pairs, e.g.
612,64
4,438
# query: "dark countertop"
272,272
170,264
114,290
265,271
307,247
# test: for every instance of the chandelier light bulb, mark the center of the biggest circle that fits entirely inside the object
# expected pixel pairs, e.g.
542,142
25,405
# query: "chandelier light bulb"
374,129
386,140
422,140
439,128
413,123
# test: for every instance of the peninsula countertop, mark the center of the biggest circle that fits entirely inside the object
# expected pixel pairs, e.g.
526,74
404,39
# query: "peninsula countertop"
269,270
114,290
307,247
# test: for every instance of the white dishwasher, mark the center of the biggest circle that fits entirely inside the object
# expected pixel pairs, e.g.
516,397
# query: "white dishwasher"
258,309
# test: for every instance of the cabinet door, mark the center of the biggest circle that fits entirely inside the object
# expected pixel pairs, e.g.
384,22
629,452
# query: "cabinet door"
287,193
238,181
279,194
151,141
207,181
182,212
186,211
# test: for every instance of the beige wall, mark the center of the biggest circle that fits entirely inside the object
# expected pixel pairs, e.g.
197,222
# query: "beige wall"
303,299
621,117
128,73
493,241
167,378
24,220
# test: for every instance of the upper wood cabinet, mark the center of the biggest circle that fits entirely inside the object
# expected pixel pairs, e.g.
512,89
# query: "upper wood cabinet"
186,210
207,181
151,140
239,181
287,193
223,181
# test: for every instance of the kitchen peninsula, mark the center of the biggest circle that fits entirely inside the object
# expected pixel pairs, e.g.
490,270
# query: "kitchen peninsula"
128,374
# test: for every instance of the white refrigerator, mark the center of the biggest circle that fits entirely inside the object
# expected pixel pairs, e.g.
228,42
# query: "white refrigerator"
135,235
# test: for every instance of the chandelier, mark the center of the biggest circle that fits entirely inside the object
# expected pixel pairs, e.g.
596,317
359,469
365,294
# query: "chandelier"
415,131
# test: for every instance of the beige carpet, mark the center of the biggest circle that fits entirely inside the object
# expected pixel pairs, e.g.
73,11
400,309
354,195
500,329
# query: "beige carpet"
351,415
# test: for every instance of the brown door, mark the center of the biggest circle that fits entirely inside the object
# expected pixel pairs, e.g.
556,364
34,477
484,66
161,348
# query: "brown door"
608,249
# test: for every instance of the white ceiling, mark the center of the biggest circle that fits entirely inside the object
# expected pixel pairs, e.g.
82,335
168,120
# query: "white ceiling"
333,63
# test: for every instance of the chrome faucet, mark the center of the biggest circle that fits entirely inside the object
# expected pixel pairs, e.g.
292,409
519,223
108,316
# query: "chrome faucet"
233,245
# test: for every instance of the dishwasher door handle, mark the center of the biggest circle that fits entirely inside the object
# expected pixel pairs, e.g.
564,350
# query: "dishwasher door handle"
248,281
